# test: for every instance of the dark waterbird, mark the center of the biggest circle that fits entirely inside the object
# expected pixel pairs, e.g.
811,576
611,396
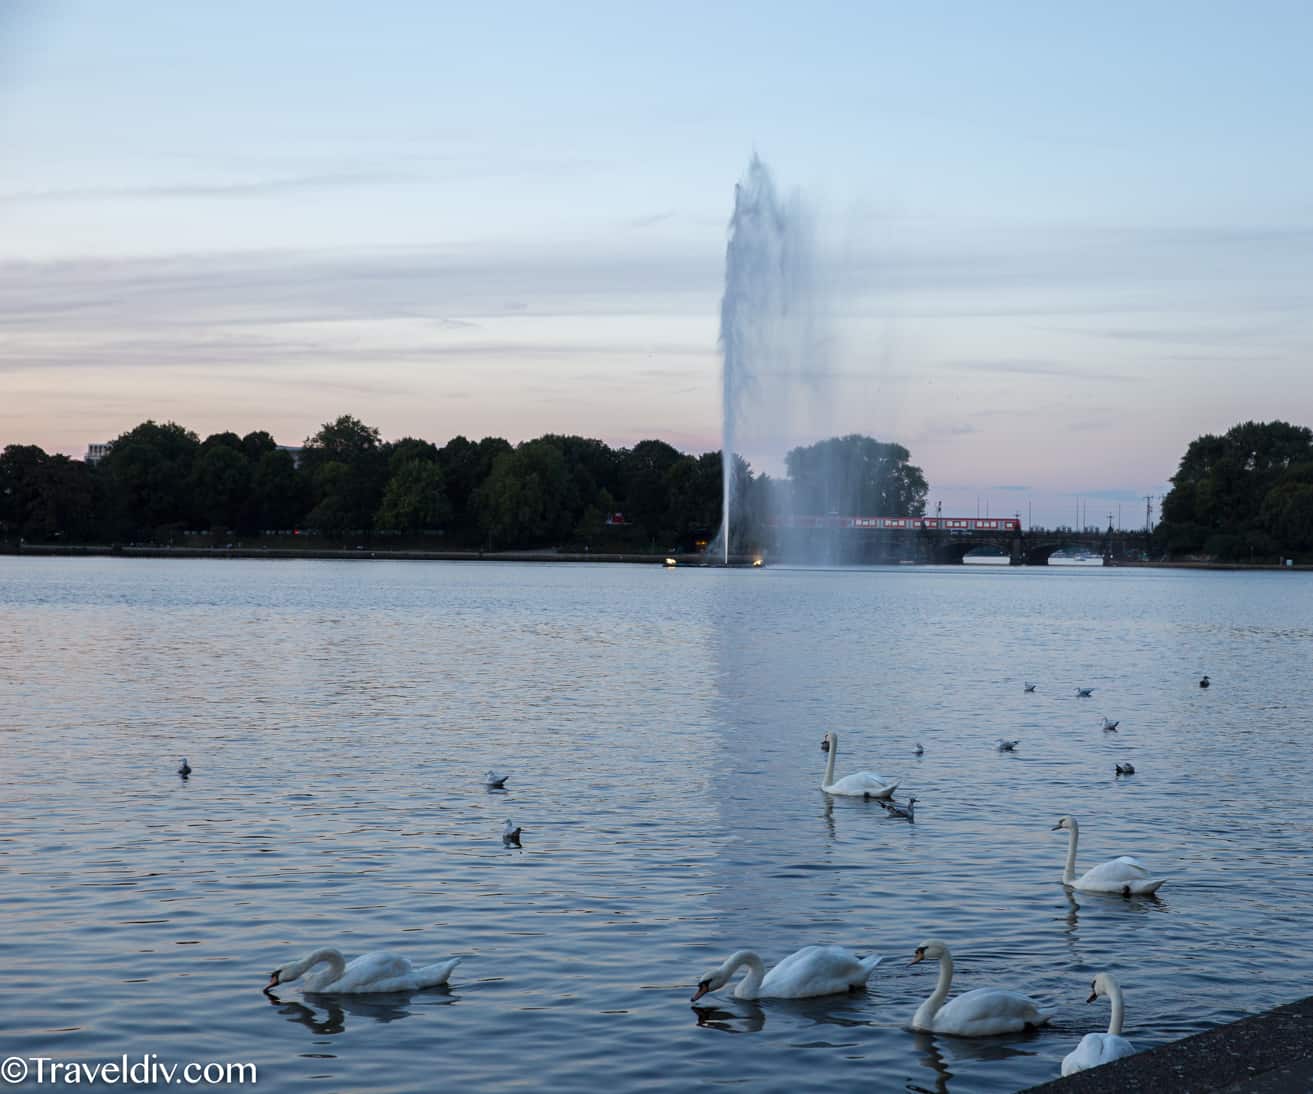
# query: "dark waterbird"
903,812
184,768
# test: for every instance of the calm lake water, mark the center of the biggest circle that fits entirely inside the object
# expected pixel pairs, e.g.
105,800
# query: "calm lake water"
662,732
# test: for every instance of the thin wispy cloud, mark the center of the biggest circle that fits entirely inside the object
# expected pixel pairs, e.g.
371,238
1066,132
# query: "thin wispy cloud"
248,188
1037,368
649,221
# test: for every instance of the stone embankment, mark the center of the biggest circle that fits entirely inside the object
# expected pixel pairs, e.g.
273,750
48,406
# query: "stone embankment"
1270,1053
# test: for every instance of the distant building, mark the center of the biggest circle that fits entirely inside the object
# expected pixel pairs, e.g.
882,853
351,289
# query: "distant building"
96,452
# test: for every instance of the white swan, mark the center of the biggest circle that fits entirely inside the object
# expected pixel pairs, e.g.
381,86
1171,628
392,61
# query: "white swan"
812,970
1101,1048
495,780
1123,875
369,972
861,784
981,1012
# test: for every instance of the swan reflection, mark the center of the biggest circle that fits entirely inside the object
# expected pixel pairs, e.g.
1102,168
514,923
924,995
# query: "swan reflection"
378,1007
932,1058
748,1020
937,1054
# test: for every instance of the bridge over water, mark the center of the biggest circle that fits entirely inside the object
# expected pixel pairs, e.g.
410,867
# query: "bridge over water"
846,543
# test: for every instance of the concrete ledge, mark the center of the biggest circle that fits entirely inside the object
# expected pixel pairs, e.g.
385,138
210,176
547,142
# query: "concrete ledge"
1270,1053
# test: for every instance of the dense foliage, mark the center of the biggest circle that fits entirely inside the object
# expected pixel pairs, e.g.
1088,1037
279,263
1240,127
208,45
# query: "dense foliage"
856,474
1247,494
162,483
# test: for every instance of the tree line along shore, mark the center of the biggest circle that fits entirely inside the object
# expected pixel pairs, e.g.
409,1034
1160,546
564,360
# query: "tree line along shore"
1243,496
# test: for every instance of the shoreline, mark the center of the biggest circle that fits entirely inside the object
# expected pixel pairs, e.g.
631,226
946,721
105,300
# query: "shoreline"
366,554
360,554
1266,1053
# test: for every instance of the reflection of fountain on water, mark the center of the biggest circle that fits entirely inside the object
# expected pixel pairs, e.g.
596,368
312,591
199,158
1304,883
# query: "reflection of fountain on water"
769,339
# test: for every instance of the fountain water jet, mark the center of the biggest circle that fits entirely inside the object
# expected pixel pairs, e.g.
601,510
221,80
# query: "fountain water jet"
770,347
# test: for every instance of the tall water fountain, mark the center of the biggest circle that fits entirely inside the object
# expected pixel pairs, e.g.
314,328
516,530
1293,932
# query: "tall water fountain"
773,352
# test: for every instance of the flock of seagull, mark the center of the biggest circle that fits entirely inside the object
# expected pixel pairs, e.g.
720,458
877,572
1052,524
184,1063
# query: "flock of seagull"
815,970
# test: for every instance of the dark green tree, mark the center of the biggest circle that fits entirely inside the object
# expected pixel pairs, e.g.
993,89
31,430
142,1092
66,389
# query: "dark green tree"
346,466
1222,502
855,475
148,470
221,482
280,494
465,466
645,486
414,500
694,485
45,497
524,500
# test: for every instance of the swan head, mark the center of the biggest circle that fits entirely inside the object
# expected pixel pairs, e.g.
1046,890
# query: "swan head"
931,950
712,981
1101,985
1065,822
278,976
829,741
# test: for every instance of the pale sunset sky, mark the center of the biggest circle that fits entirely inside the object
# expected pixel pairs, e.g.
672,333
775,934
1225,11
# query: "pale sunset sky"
1062,239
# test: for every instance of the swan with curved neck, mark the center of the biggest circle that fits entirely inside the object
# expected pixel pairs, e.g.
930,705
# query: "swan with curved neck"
370,972
981,1012
861,784
810,971
1124,875
1101,1048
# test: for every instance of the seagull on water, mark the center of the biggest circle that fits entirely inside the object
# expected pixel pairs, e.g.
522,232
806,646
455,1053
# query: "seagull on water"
1109,726
1007,746
1026,685
905,812
1125,769
1084,693
510,834
918,749
494,780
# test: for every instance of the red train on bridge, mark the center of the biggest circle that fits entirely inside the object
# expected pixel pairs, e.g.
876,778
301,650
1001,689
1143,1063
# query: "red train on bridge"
905,524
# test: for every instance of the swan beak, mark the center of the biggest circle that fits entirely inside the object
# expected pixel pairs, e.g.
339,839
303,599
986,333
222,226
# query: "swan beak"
1056,828
1093,996
273,982
825,745
915,960
702,990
